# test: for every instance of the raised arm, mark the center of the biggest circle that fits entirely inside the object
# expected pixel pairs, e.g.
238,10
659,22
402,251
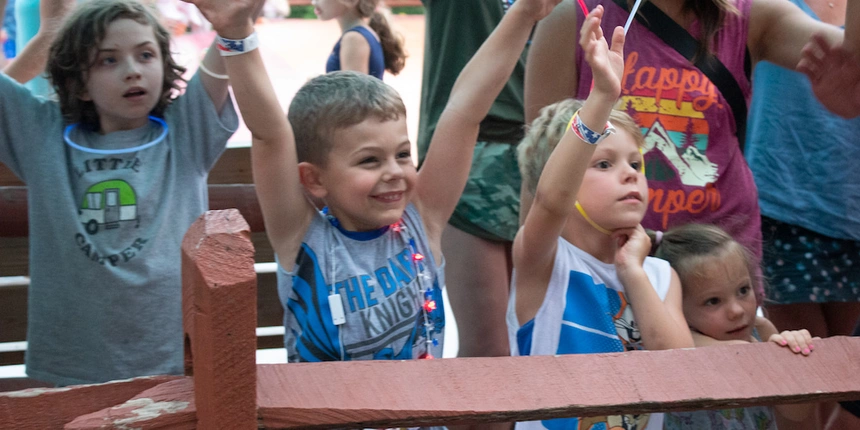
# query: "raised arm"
216,86
214,83
559,183
273,155
446,167
31,61
551,74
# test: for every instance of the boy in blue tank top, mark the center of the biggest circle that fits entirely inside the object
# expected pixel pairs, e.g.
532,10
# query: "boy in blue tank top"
361,279
582,282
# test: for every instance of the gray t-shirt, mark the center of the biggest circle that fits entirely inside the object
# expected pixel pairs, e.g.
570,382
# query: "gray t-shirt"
379,287
105,233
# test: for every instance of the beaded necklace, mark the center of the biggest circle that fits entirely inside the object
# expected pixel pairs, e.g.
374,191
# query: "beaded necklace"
422,277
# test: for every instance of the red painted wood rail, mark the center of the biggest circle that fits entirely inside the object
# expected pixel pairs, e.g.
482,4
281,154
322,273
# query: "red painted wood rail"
228,391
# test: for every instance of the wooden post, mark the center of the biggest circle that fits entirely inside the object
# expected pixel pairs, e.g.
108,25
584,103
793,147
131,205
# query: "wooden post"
219,300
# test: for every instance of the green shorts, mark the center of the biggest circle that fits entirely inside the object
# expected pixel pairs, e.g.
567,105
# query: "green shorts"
490,204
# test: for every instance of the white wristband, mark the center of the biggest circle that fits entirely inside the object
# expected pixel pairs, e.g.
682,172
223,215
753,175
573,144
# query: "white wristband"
211,73
230,47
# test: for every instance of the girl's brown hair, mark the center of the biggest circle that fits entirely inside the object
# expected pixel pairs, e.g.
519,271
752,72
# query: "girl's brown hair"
73,52
685,247
392,43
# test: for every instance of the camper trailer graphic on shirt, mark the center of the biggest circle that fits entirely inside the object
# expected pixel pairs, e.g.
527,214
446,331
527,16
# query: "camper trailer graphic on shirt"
107,204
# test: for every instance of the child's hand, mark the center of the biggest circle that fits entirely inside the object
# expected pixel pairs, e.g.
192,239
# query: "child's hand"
633,245
607,64
536,9
798,341
229,18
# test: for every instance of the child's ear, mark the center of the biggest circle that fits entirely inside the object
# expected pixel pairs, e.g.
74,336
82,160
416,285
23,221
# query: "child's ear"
310,176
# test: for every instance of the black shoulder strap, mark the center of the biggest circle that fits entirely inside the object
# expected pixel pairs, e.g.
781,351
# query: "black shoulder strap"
675,36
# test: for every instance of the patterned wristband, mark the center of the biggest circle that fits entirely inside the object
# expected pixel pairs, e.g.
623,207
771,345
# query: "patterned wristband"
587,135
230,47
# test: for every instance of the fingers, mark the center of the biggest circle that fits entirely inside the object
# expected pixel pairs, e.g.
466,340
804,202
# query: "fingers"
623,234
809,69
798,341
591,27
618,41
813,56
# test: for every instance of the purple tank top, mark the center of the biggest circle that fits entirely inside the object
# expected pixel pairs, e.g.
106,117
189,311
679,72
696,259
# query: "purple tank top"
695,169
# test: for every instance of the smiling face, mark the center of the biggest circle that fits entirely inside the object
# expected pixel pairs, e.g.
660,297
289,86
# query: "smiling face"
368,177
614,191
126,77
718,297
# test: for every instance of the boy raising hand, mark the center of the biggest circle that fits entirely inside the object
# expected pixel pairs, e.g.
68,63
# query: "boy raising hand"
582,281
361,279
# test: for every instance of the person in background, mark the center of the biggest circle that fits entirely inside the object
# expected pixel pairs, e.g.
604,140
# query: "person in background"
36,24
477,240
809,198
116,172
367,43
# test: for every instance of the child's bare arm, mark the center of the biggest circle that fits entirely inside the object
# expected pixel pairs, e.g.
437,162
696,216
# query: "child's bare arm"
555,197
215,87
286,212
661,322
798,342
446,167
31,61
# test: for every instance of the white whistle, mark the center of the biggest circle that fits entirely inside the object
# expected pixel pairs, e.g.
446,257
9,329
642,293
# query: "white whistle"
336,306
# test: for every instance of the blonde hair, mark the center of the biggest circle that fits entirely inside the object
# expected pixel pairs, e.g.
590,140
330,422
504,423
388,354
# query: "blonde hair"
546,131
